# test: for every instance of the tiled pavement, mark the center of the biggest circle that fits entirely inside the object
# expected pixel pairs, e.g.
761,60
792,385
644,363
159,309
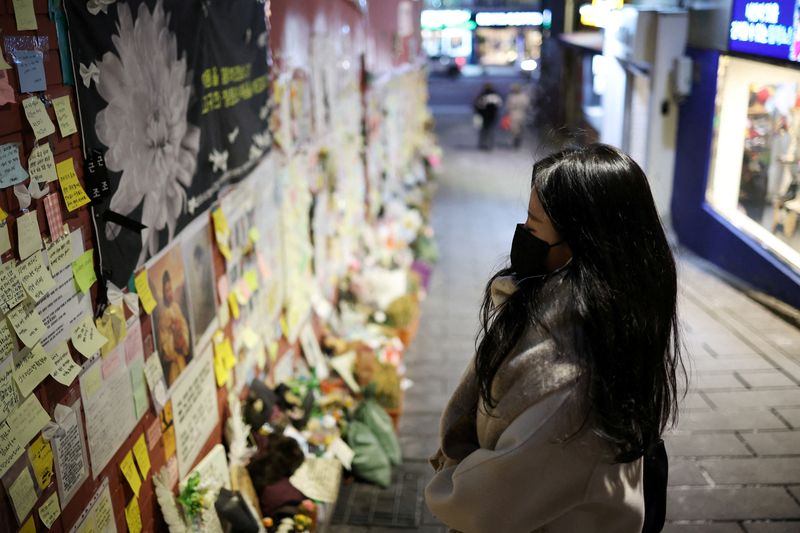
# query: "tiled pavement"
735,454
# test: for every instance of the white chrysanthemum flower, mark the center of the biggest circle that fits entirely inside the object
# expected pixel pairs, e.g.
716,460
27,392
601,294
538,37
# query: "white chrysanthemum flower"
147,87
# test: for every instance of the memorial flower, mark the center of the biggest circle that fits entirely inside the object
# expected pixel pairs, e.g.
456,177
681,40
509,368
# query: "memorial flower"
147,86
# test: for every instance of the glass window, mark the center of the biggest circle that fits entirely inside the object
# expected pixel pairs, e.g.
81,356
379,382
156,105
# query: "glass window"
754,180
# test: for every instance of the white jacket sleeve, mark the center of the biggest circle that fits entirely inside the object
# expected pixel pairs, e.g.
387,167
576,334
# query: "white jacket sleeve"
530,480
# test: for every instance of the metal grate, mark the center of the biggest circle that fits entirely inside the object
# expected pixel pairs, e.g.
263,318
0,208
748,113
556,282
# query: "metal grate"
400,505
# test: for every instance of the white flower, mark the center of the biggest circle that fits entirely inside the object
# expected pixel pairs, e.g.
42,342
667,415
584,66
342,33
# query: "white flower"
233,134
147,87
96,6
219,160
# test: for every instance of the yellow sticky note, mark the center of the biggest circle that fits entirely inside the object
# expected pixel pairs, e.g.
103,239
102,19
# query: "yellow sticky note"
83,271
131,474
113,327
12,292
34,277
249,337
224,249
50,510
38,118
225,351
41,456
220,222
26,18
5,241
3,215
133,516
272,348
66,120
92,380
59,253
41,165
32,369
23,493
85,337
65,369
141,455
29,526
251,278
29,236
144,292
74,194
220,372
254,235
27,323
27,420
234,305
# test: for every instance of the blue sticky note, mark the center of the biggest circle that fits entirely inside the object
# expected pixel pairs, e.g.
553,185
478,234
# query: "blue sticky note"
11,171
30,66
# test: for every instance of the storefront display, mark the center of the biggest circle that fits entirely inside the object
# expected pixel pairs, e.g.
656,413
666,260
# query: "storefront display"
758,190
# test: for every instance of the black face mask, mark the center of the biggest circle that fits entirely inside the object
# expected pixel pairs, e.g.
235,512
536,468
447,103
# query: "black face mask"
528,253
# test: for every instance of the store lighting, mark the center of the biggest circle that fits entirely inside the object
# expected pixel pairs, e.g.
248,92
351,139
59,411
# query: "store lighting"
519,18
528,65
435,19
597,13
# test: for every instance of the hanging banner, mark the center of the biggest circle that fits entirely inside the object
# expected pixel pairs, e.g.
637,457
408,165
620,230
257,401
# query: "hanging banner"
173,95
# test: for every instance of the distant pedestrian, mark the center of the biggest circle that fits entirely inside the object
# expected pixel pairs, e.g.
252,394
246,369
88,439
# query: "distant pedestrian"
487,105
556,425
517,105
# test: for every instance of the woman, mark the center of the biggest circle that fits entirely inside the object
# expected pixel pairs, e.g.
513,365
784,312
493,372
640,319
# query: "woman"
574,379
487,105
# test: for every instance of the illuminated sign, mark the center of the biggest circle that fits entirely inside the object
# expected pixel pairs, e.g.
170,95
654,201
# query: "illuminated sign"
519,18
765,29
436,19
598,12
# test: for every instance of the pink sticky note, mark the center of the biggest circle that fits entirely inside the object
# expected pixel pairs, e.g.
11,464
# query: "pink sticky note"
154,433
222,288
6,91
55,217
262,266
111,363
133,342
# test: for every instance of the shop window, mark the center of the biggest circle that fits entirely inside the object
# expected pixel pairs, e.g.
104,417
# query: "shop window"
754,180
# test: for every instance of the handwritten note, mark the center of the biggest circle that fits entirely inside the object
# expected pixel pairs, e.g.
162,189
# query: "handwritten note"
133,517
318,478
40,455
50,510
29,236
30,68
154,374
144,292
86,339
128,469
10,288
11,171
139,386
38,118
28,419
34,277
31,369
41,165
91,381
98,515
83,271
9,397
65,369
23,494
59,253
26,18
66,120
27,323
74,194
142,456
10,448
69,451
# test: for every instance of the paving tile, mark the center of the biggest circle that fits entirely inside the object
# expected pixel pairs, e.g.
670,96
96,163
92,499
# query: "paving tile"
792,526
685,473
705,381
775,443
727,344
728,419
755,470
693,400
704,444
770,378
795,492
791,414
734,362
745,503
705,527
757,398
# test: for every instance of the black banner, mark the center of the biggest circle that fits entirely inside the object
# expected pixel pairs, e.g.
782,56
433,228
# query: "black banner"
173,94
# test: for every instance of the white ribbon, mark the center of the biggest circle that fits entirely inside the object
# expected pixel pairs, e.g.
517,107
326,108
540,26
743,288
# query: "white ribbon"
89,74
115,295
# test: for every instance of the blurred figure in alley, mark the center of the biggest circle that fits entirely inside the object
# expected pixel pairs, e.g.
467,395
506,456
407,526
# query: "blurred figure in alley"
517,105
487,105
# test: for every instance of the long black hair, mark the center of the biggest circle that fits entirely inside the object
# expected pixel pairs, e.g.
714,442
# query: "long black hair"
623,290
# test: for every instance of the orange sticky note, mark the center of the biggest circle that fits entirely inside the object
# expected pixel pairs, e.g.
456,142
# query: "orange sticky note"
130,473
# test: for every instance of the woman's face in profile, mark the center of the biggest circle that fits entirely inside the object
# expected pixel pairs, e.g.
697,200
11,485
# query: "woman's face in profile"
541,227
